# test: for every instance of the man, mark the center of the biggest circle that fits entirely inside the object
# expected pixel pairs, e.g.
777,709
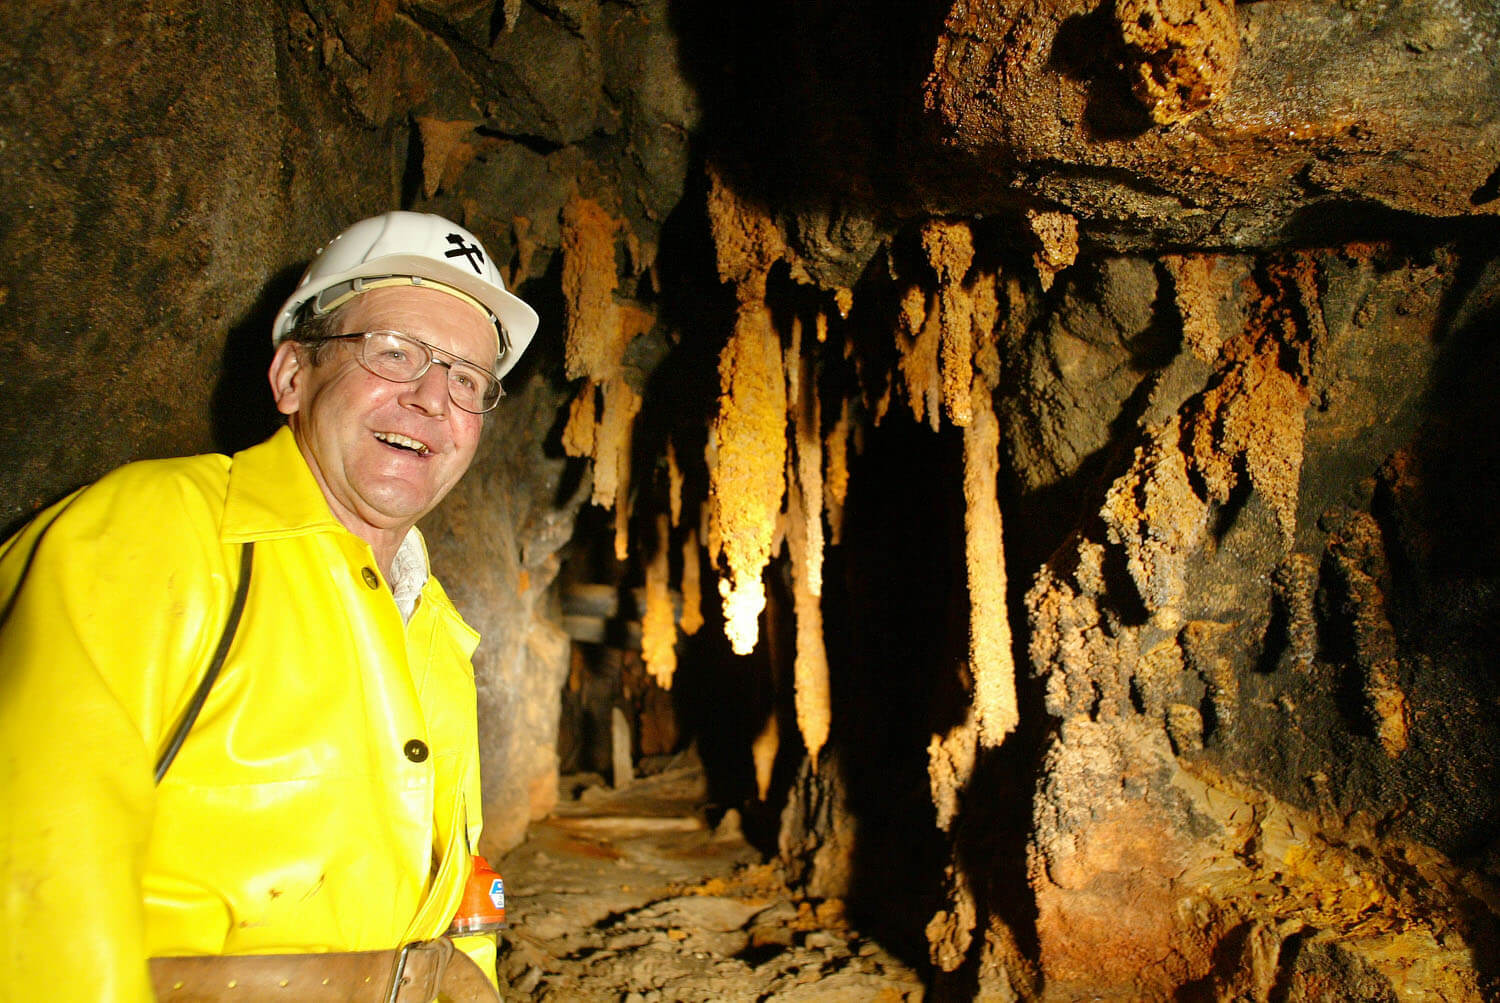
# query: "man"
319,809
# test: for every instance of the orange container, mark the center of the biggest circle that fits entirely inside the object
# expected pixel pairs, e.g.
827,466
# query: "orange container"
483,905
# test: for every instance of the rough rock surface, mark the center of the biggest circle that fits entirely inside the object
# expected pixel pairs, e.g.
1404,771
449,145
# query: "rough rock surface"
1143,115
631,895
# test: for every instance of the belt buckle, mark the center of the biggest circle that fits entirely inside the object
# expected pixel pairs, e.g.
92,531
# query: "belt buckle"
440,950
400,971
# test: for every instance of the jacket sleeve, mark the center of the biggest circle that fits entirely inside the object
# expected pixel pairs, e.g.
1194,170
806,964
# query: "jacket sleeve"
97,643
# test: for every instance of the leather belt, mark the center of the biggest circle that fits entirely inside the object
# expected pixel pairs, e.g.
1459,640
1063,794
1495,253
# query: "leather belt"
415,973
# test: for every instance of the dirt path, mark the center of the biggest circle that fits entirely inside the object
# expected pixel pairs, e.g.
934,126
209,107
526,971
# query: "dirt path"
628,895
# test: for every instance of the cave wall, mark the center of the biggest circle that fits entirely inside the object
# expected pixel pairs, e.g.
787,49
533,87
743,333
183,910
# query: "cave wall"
1256,732
1270,735
1051,440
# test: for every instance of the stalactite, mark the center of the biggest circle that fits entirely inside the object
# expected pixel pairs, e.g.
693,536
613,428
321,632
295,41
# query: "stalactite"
605,436
836,475
526,247
984,294
990,657
1358,560
658,627
950,763
612,442
843,299
1198,287
708,526
804,516
763,754
593,344
674,484
746,453
749,434
1057,233
950,251
641,255
1016,303
806,419
1295,582
1253,420
882,405
919,339
583,419
612,458
510,11
692,586
444,152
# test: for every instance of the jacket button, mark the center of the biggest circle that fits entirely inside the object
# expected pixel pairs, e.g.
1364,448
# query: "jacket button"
416,750
371,579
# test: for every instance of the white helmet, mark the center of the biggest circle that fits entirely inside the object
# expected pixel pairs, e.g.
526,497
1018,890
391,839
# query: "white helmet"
414,247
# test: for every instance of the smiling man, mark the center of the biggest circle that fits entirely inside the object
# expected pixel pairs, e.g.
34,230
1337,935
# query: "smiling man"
237,713
376,412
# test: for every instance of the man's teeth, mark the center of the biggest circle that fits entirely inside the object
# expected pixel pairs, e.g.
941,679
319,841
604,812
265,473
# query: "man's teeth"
404,441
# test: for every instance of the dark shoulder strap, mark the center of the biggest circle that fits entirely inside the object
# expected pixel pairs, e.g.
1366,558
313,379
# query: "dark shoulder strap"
247,554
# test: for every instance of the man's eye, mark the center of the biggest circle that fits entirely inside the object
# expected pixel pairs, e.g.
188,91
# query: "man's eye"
393,354
465,380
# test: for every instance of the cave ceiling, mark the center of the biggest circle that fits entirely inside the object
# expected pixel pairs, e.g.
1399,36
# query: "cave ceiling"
1152,124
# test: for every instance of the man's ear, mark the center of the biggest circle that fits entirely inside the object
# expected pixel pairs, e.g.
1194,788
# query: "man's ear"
286,377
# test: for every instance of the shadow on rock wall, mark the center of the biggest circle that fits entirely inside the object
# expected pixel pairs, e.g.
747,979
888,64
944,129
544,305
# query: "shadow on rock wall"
896,609
242,409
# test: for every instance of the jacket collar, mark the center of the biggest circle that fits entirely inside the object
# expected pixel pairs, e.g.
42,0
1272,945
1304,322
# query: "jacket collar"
272,494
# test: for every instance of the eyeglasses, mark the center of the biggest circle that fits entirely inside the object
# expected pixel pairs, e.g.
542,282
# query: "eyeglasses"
401,358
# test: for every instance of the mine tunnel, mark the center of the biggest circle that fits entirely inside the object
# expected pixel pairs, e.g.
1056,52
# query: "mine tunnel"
1000,487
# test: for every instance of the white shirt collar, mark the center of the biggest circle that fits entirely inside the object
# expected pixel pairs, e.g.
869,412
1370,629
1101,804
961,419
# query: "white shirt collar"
409,573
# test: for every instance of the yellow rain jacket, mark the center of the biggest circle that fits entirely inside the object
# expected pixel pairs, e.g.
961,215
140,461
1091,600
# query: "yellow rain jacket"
321,800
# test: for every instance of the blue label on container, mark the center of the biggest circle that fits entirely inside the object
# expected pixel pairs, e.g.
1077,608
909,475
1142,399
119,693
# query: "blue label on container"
497,893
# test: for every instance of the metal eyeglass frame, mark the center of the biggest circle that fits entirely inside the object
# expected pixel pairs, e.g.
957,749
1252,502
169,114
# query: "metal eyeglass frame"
432,352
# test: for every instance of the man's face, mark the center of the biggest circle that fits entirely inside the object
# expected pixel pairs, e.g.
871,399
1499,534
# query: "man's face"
385,453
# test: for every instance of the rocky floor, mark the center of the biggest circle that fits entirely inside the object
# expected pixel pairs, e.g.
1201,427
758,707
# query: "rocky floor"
629,895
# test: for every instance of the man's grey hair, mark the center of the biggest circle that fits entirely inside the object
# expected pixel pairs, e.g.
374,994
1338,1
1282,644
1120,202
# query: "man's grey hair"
314,329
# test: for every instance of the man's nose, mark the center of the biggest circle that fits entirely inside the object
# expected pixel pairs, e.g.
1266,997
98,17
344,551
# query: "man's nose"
429,392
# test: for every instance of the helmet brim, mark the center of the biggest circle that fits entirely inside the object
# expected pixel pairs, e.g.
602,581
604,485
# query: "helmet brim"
518,322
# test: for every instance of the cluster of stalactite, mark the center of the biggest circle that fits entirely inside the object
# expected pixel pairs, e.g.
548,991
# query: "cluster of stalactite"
775,477
777,455
1118,622
599,329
